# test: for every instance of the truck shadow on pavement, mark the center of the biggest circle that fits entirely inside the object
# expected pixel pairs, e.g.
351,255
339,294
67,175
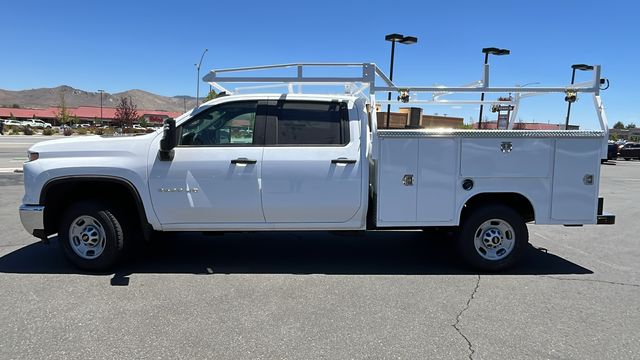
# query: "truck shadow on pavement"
373,253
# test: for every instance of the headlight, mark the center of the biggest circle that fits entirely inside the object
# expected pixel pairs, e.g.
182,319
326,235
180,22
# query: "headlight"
32,155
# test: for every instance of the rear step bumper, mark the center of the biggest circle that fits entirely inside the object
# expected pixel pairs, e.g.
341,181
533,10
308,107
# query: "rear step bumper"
604,218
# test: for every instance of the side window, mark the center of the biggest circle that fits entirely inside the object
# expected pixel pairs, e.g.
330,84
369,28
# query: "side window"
226,124
311,123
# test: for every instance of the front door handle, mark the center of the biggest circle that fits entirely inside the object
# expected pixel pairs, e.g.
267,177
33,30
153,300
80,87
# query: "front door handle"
343,161
243,160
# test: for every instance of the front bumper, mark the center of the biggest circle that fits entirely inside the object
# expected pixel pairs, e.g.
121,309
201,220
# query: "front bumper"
32,218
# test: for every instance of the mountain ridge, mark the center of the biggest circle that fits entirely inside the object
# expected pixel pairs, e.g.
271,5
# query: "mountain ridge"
48,97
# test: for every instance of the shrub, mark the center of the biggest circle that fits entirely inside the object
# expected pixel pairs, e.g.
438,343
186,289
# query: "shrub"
47,131
27,130
81,131
67,132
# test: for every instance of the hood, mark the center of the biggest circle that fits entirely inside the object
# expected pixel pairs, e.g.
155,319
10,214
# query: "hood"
94,146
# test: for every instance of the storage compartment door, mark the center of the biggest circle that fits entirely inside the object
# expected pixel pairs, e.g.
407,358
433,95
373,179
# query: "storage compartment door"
438,162
506,157
574,199
397,198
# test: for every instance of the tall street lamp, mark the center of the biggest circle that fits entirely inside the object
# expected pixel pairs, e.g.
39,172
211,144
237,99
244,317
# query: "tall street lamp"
407,40
487,52
101,118
198,77
582,67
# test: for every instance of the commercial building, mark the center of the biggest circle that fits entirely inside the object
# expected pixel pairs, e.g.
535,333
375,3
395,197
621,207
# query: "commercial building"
526,126
413,118
84,114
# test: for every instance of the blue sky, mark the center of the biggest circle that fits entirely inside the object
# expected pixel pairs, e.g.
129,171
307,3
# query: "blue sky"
119,45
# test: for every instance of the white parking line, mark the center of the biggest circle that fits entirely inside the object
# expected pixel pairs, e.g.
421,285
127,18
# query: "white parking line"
10,170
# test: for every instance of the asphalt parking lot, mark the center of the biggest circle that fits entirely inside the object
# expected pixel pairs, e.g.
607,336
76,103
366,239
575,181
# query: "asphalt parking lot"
318,295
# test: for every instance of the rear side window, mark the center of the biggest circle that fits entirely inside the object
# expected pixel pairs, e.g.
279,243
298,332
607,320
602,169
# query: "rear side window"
311,123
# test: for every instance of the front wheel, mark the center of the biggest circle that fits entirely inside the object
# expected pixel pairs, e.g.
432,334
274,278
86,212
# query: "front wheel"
493,238
91,236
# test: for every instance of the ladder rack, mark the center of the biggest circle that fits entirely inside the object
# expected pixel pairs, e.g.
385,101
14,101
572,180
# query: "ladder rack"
370,72
374,80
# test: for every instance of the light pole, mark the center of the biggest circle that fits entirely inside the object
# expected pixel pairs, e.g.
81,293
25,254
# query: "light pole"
198,77
574,67
486,52
407,40
527,84
101,118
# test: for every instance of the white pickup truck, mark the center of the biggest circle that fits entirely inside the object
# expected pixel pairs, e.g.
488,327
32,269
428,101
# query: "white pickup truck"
290,161
36,123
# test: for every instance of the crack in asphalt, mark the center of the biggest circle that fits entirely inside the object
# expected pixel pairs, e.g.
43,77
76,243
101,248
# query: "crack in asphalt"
459,317
590,280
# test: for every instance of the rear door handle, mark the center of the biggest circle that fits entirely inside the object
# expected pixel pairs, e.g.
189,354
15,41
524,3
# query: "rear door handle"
243,160
343,161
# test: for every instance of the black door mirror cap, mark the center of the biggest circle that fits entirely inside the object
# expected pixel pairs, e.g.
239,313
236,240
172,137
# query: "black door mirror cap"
169,140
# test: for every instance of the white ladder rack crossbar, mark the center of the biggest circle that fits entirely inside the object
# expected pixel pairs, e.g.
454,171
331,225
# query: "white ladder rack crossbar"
368,77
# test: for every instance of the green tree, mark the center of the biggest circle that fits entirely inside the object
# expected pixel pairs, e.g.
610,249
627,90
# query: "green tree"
618,125
63,116
143,122
211,95
126,112
631,126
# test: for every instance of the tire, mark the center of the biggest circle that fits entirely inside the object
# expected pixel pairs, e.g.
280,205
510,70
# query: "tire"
92,235
493,238
627,159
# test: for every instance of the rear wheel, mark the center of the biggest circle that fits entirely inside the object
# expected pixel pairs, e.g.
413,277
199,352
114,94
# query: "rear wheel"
493,238
91,235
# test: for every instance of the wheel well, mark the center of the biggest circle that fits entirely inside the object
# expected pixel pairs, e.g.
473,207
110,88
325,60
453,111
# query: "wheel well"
515,201
58,195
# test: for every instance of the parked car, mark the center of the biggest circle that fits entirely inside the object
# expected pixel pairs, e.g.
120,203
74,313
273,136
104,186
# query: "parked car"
36,123
630,151
12,123
612,151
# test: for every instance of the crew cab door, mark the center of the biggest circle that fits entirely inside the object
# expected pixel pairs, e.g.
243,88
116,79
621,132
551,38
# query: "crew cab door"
214,175
311,168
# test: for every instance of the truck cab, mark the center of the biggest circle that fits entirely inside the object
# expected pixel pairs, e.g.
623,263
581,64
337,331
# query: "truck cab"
264,162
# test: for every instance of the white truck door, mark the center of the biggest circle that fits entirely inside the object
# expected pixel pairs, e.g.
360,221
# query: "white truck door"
311,170
214,175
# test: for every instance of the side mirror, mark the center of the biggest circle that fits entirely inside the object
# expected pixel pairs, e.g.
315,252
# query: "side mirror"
169,140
